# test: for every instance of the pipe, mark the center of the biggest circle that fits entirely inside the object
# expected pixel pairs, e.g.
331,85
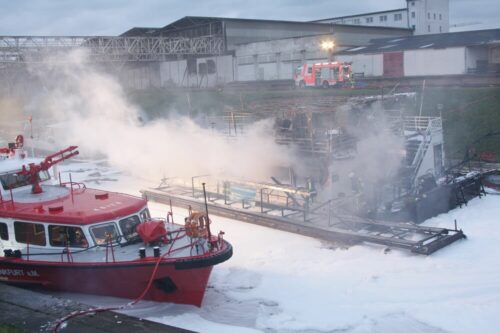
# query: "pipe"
206,212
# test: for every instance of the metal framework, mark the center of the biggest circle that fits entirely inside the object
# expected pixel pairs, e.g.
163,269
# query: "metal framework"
29,49
321,220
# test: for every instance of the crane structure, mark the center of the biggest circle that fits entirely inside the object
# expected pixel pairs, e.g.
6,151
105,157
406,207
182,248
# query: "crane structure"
38,49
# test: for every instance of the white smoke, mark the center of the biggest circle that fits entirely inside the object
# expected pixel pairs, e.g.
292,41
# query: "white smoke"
378,159
99,119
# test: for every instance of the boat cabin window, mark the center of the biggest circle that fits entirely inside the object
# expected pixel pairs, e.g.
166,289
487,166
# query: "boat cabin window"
102,232
4,232
145,216
128,226
13,180
32,233
71,236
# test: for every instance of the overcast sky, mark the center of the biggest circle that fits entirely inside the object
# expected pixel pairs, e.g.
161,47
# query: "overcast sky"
112,17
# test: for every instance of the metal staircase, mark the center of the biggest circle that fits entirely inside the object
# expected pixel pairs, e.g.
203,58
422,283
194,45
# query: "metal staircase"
420,134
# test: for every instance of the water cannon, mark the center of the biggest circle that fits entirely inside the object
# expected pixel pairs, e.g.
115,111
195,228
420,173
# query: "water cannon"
34,169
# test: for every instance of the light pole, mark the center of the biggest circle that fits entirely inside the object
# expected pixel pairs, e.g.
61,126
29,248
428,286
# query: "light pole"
328,46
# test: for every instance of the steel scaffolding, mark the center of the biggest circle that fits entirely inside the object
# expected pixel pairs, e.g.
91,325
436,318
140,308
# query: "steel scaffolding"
29,49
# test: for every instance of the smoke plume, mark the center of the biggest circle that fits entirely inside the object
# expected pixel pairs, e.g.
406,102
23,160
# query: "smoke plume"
99,119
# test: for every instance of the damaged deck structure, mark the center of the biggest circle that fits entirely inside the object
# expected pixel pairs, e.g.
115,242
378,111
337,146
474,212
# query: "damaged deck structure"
292,209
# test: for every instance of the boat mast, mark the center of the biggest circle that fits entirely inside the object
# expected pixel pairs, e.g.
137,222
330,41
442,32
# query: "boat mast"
206,212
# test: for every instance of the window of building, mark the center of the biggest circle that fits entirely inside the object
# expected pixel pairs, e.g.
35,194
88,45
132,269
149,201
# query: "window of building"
434,15
429,28
440,29
102,232
191,65
357,21
62,235
440,16
202,68
398,17
413,26
369,20
412,14
383,18
413,3
4,231
211,66
309,70
128,226
429,16
32,233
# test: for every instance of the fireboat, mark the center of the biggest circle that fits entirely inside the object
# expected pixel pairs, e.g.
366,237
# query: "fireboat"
65,236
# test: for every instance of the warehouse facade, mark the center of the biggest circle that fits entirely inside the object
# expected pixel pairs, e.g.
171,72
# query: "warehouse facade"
458,53
254,50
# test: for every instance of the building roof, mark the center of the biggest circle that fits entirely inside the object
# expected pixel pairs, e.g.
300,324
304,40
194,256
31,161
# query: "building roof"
434,41
189,22
139,32
357,15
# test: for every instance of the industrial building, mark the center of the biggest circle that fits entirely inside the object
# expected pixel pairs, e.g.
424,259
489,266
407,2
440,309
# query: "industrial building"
201,52
422,16
277,59
458,53
254,49
407,42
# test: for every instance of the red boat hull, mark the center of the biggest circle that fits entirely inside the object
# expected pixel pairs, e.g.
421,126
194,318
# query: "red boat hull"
178,281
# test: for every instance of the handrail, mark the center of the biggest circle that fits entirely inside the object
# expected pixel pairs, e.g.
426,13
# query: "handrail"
109,243
422,149
420,122
68,253
109,248
71,183
11,200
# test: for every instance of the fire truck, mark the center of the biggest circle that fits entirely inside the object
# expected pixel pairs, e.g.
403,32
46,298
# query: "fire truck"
324,74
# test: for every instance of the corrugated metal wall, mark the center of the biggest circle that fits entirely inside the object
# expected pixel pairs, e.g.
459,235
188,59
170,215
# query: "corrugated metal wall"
449,61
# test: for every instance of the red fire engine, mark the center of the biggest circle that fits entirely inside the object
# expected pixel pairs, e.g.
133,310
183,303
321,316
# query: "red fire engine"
324,74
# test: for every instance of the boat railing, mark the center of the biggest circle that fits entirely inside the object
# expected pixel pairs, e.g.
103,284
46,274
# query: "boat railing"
71,183
109,245
67,255
11,200
195,242
78,185
65,252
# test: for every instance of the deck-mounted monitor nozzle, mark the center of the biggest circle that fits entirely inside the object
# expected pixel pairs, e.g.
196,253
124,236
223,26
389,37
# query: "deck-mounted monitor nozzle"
34,169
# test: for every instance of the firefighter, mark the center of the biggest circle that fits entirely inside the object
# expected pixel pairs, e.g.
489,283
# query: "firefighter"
311,188
80,240
357,189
